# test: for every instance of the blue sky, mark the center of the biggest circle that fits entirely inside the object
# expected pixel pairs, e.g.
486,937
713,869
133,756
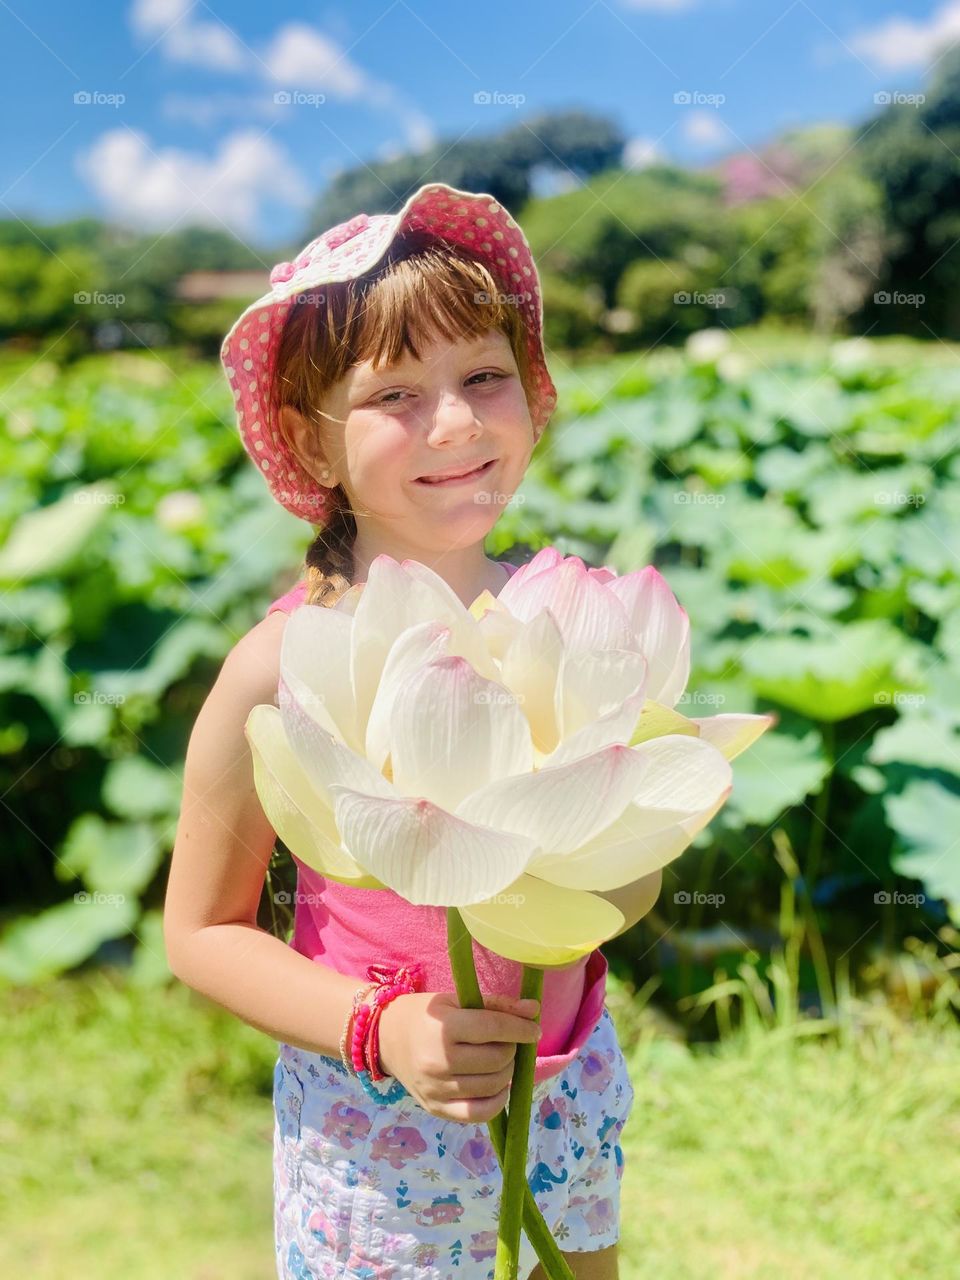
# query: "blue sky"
184,123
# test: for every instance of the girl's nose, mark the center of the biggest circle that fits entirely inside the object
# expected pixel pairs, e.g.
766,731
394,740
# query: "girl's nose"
453,419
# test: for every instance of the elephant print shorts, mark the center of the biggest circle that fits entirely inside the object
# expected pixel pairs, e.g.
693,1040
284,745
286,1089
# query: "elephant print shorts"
386,1191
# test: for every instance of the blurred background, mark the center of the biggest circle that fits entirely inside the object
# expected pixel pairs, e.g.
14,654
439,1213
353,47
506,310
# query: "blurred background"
747,219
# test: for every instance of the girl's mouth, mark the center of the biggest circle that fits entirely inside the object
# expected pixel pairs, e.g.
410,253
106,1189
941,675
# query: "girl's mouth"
464,479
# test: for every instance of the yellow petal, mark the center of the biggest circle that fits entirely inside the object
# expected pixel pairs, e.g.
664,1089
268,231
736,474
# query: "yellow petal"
293,808
538,923
657,720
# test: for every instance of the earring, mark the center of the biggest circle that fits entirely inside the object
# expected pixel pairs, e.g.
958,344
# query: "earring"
325,473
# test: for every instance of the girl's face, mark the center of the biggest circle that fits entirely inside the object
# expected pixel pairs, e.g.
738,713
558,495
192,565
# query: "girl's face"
460,406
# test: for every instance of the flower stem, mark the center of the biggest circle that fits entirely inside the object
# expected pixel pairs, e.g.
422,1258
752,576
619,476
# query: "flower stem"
518,1134
460,947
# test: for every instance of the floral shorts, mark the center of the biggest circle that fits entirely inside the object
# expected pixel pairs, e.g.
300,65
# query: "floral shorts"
386,1191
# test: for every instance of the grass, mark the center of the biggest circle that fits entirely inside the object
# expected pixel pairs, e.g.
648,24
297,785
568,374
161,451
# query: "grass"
136,1144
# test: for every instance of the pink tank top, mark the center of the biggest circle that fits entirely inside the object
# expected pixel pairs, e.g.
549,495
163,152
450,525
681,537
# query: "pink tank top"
347,929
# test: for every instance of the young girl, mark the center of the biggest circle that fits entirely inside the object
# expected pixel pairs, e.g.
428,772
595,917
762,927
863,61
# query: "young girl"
391,388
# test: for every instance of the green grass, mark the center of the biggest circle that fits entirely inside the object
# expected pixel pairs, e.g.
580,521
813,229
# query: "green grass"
136,1144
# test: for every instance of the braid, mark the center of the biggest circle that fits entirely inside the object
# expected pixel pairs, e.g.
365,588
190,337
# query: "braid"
329,558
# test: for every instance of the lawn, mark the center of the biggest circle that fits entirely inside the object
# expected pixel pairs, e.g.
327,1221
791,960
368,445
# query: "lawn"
136,1144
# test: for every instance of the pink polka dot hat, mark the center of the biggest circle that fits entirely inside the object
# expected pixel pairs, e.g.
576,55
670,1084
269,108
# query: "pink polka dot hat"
466,219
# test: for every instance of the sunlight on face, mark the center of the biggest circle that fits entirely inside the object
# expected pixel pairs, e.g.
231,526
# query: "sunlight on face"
460,405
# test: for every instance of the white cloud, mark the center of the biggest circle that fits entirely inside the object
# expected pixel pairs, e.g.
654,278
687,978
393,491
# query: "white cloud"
639,152
297,56
301,57
705,129
183,39
148,188
899,43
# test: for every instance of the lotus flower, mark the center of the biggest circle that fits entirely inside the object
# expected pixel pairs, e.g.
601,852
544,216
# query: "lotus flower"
512,760
509,762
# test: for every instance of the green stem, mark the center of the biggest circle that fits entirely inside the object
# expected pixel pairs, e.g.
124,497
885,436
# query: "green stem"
460,946
518,1134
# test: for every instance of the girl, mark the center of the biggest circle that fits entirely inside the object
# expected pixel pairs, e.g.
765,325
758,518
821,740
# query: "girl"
391,387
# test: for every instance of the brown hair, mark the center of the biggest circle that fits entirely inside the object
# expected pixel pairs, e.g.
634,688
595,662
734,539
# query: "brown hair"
423,289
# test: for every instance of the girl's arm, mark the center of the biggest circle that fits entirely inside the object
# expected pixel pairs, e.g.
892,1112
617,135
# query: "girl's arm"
222,848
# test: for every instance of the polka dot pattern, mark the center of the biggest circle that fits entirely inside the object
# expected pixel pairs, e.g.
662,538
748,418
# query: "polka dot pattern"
248,354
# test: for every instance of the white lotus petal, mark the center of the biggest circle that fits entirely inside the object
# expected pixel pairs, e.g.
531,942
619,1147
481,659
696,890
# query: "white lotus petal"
394,598
411,649
534,922
293,808
593,682
452,732
546,558
322,757
684,784
530,668
560,807
428,856
616,725
315,664
588,615
661,627
733,733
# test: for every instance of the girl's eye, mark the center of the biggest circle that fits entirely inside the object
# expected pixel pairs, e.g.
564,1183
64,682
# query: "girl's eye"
486,373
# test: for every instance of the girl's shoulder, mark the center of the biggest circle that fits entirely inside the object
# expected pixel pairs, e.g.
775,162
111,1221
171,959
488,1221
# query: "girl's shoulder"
290,600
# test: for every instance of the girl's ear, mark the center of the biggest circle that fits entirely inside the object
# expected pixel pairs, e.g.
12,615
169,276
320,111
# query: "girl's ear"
304,440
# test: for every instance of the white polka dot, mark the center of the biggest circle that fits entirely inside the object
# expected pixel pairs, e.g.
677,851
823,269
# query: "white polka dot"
248,365
481,222
264,464
258,444
244,344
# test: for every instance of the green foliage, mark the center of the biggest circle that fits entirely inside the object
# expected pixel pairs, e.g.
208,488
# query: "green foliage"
800,500
137,543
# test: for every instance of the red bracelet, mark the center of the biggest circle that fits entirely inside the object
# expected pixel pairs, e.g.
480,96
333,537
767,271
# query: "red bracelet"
365,1044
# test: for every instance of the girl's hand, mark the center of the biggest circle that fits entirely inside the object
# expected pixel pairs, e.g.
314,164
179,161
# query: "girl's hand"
456,1063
